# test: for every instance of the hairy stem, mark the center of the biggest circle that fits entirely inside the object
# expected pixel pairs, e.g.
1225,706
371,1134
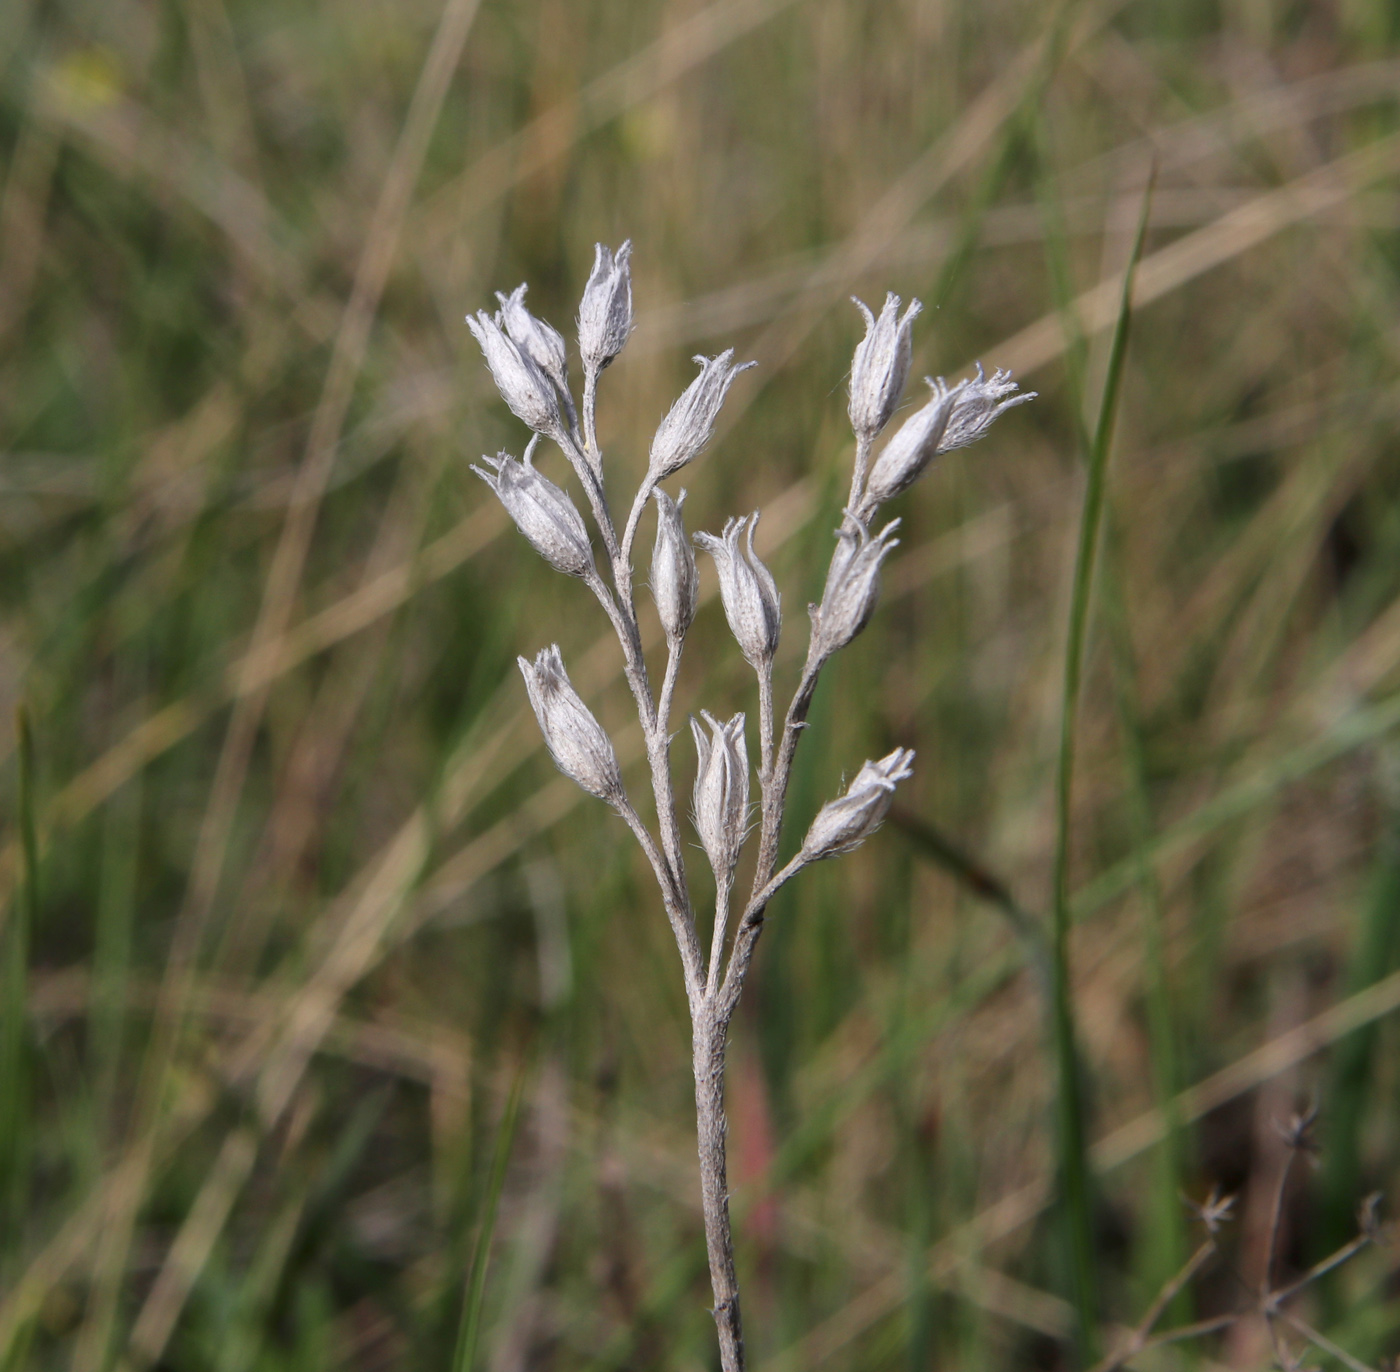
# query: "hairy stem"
765,721
677,906
858,476
590,420
659,758
723,889
634,518
711,1127
765,884
591,479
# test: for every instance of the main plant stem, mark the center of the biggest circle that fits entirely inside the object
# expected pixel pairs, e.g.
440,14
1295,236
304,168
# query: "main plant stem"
710,1027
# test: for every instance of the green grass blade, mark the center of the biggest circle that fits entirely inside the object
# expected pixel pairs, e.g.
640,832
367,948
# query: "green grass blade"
470,1330
1166,1228
1070,1107
1348,1090
14,1084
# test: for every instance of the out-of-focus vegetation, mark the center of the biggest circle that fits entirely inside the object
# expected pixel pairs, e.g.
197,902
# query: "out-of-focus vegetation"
304,897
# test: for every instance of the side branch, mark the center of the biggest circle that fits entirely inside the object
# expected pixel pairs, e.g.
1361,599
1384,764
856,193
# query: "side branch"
677,907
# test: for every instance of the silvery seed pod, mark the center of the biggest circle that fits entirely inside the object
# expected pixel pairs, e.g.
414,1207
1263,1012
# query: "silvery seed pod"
575,739
540,342
523,386
675,580
881,365
605,313
903,460
541,511
721,791
690,422
752,604
977,405
852,585
844,824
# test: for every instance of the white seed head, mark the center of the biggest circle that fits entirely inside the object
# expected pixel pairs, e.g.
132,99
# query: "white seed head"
540,342
977,405
605,313
675,580
690,423
523,386
844,824
541,511
752,604
903,460
852,585
721,791
575,739
881,365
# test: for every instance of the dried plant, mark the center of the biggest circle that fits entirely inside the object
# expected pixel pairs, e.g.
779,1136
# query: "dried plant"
528,362
1271,1302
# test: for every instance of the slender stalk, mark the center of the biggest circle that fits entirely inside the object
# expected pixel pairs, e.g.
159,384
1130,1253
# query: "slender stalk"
668,688
765,722
862,465
659,755
590,421
592,483
1321,1341
634,662
723,890
634,518
1070,1108
1276,1221
677,903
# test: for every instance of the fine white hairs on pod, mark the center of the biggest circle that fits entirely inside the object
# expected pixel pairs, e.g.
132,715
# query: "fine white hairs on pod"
541,511
752,604
904,458
542,343
605,314
576,741
529,393
844,824
690,422
675,580
881,365
852,586
721,791
977,404
954,417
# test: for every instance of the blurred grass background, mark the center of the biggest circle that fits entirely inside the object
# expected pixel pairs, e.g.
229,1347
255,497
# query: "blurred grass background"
292,896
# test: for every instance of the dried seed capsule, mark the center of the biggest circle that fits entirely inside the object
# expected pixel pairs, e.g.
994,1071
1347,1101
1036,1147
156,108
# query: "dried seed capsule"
904,458
575,739
541,511
881,365
721,791
540,342
675,580
953,418
605,313
844,824
690,422
523,386
977,404
852,586
752,604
